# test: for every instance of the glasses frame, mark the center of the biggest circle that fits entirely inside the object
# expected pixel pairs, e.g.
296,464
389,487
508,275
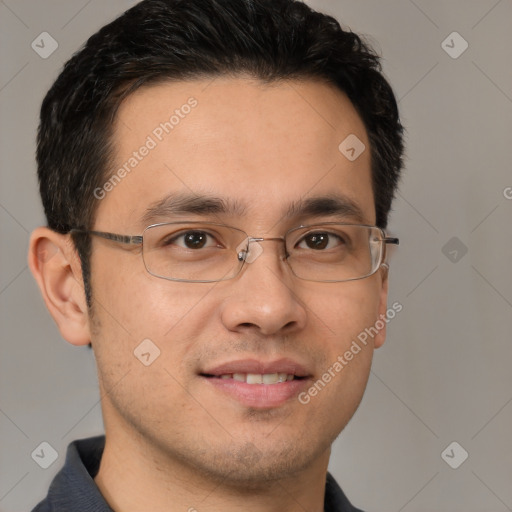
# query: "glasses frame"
242,255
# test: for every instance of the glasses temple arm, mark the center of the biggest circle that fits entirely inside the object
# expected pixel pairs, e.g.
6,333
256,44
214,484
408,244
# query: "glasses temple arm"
124,239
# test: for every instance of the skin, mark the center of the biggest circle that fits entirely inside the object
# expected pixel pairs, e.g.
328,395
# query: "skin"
173,441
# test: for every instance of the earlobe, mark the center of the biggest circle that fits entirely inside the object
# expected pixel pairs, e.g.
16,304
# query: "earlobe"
380,338
56,267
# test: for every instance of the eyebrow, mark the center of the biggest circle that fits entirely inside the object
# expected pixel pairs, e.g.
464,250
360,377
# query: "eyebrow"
203,205
332,204
182,204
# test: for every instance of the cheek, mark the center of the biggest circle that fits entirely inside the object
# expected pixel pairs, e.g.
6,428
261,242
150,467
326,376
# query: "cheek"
344,310
341,318
338,389
131,299
131,307
148,320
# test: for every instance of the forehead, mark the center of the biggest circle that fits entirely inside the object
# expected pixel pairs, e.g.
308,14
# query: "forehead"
263,146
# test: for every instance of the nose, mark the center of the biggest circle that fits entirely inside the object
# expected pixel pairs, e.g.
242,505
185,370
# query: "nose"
263,297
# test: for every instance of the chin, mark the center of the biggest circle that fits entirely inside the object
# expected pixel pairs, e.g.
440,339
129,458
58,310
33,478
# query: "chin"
253,466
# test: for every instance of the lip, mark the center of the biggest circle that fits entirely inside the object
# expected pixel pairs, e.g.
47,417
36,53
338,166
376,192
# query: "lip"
283,365
258,396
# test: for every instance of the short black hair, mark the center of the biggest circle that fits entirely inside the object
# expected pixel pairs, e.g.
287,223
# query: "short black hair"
160,40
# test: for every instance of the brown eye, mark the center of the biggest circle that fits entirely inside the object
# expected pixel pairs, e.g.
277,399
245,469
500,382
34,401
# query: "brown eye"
191,240
195,240
319,241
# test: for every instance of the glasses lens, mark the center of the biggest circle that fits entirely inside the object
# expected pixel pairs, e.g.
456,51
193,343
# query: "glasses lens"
209,252
201,252
334,252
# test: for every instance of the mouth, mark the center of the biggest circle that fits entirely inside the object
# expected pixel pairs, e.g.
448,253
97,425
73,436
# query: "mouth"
256,378
257,384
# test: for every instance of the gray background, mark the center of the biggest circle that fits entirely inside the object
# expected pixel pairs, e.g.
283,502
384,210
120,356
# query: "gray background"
444,373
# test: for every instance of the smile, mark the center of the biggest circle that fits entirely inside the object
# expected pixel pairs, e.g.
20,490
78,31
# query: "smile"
257,378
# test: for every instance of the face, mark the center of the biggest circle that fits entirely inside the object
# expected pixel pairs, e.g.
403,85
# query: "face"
261,148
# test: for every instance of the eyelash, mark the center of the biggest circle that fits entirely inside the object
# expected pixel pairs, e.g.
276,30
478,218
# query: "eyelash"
172,240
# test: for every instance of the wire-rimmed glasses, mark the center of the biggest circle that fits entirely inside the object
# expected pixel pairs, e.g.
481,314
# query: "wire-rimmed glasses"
205,252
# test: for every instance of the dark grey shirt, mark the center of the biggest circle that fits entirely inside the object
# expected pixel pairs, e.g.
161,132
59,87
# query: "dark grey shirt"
73,488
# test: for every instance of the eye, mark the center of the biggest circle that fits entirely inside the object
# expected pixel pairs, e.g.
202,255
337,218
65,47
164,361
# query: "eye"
320,241
191,240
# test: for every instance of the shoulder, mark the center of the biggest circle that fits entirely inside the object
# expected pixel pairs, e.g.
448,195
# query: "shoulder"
335,499
73,487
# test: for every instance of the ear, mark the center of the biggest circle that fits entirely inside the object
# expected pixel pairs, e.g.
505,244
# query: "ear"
380,338
56,267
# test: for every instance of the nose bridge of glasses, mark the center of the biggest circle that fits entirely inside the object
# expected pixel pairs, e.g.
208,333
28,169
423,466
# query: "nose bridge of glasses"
253,249
265,239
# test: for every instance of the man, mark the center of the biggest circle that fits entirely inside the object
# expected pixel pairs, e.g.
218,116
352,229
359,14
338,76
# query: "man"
216,176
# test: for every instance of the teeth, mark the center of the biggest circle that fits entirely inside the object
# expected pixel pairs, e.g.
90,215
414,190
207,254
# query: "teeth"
254,378
269,378
258,378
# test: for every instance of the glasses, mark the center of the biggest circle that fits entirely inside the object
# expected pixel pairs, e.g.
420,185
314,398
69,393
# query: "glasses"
204,252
